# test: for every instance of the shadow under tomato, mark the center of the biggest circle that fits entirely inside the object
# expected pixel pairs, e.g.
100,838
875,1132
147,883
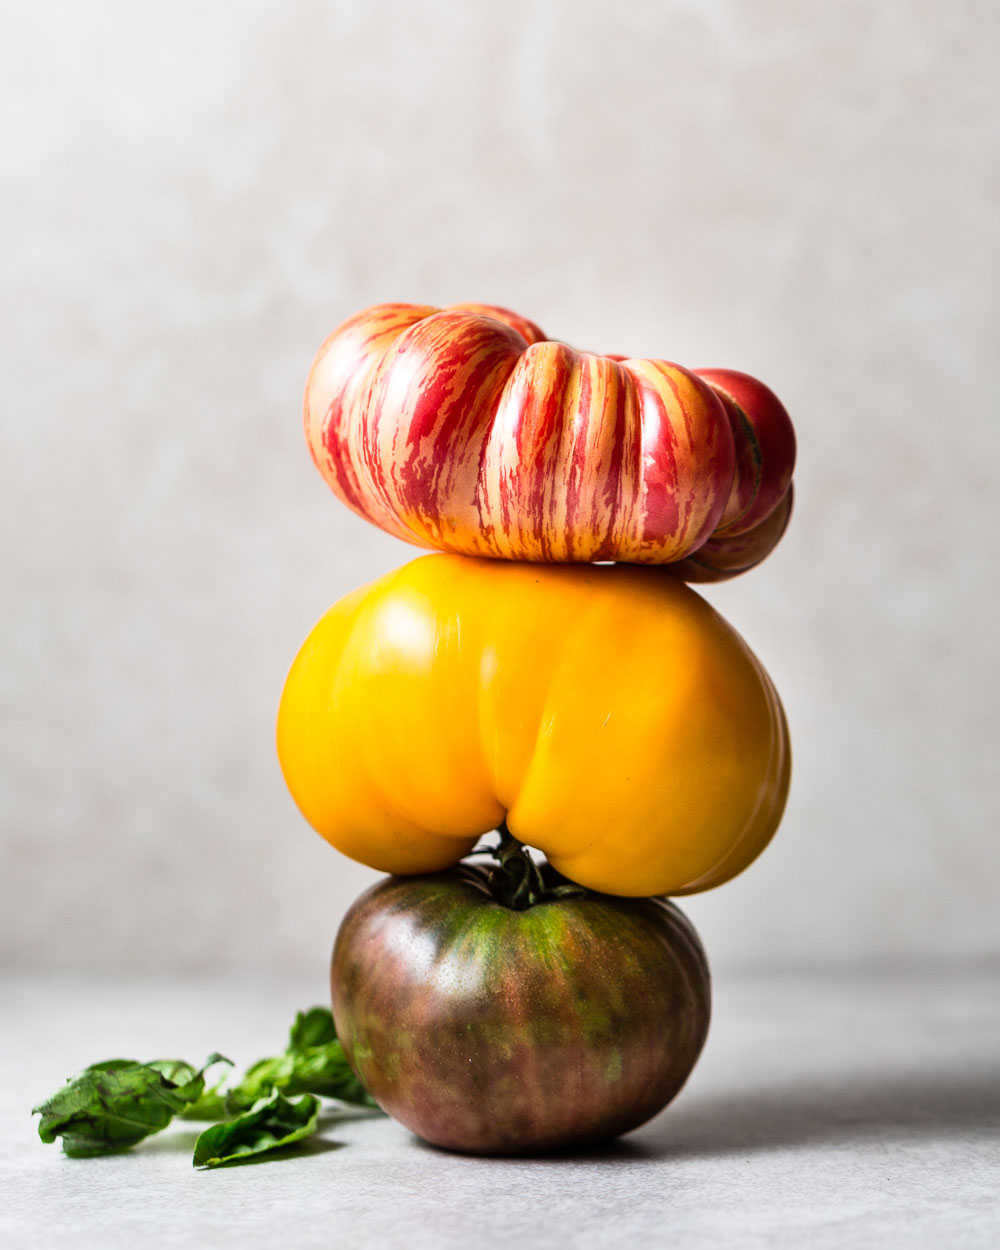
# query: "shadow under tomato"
895,1106
915,1106
623,1149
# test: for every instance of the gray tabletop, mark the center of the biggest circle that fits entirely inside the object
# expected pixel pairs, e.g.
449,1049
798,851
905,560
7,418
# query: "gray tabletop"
828,1110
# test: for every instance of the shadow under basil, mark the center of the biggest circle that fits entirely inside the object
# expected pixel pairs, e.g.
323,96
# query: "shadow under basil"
182,1142
347,1114
296,1150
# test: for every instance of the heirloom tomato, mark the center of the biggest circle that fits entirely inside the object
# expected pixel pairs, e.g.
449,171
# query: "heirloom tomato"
606,712
500,1018
469,430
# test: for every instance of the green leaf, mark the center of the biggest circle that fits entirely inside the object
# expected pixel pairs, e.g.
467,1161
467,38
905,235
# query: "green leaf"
312,1028
314,1063
190,1083
259,1081
324,1070
211,1105
114,1104
270,1125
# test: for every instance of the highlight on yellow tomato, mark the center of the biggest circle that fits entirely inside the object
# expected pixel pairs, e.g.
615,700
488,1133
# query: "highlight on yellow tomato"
607,712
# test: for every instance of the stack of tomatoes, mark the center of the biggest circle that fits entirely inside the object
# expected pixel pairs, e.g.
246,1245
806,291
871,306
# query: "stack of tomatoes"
550,675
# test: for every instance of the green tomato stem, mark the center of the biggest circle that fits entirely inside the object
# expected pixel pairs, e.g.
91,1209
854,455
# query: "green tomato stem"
516,881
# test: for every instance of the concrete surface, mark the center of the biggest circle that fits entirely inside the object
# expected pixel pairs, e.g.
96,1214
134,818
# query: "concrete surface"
829,1112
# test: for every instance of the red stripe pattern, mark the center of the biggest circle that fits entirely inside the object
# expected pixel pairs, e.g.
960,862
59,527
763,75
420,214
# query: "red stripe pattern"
465,429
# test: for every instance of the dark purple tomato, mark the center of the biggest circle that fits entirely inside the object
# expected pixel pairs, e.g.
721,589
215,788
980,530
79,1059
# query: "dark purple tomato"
499,1031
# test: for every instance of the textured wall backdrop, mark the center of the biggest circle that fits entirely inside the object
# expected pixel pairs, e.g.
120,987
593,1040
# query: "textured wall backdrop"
195,193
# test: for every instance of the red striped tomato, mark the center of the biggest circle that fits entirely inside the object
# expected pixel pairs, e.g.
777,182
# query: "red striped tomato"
466,430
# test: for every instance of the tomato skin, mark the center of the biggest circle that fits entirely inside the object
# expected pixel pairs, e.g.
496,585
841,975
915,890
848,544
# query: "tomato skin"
494,1031
467,430
615,720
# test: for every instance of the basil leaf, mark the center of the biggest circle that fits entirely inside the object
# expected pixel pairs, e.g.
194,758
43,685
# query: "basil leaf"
324,1070
271,1124
320,1065
312,1028
114,1104
212,1105
190,1083
313,1063
177,1071
259,1081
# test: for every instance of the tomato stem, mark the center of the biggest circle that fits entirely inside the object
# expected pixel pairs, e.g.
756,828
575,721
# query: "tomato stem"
517,881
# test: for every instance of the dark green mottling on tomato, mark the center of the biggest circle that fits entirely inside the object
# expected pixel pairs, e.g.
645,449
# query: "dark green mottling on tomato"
497,1031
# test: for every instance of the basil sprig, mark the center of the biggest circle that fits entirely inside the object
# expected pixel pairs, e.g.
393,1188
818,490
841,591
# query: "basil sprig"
313,1063
115,1103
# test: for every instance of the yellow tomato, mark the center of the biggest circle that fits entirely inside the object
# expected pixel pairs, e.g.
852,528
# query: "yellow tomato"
615,720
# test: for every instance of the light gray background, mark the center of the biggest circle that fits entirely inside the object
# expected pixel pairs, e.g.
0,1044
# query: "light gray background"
195,193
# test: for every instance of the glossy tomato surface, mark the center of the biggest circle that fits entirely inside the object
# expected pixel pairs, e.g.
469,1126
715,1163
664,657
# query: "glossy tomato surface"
497,1031
607,713
468,430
